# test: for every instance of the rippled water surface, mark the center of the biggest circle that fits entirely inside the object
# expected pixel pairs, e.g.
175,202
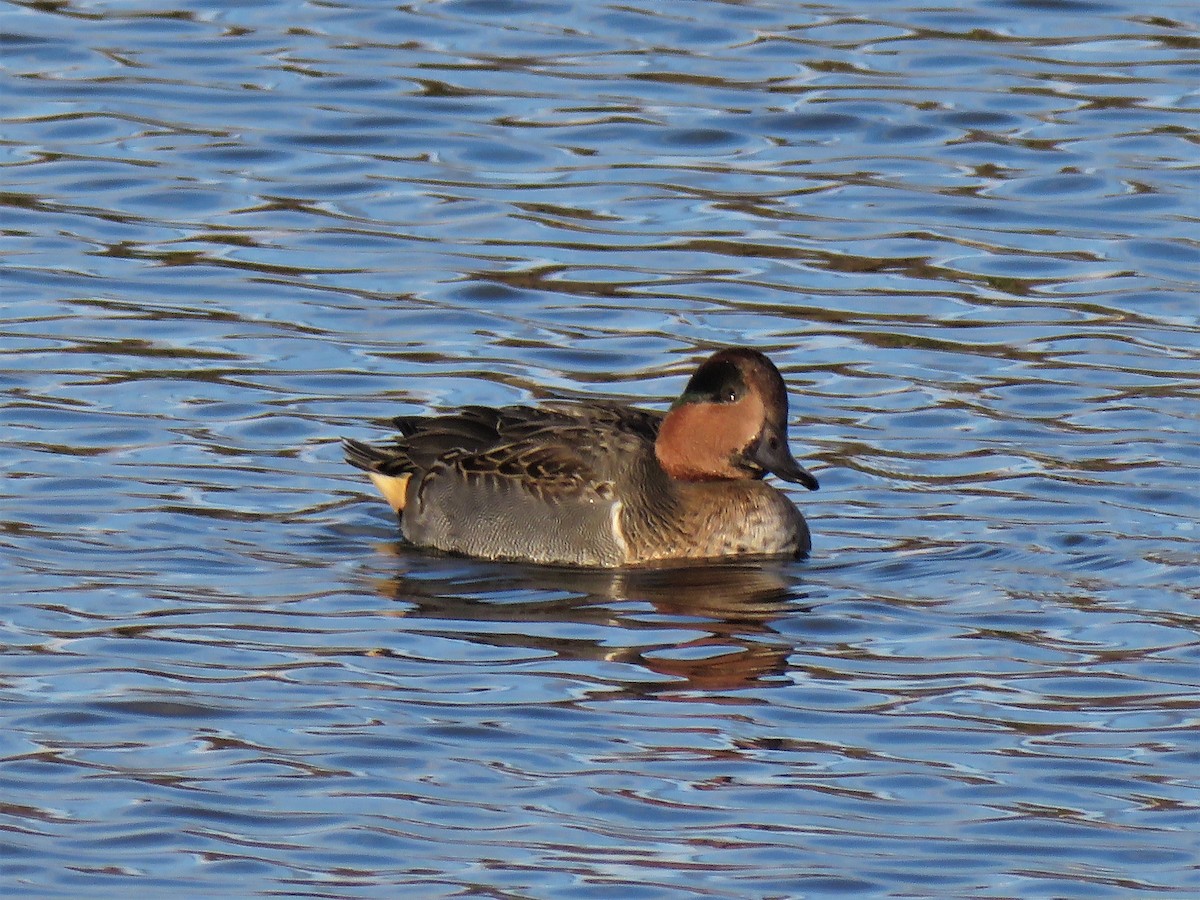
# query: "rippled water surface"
234,232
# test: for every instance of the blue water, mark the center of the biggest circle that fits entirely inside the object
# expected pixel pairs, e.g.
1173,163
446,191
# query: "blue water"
234,232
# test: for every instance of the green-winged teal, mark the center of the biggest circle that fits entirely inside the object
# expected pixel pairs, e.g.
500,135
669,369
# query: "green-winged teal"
595,483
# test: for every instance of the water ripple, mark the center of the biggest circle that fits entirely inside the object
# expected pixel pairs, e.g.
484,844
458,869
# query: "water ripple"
232,238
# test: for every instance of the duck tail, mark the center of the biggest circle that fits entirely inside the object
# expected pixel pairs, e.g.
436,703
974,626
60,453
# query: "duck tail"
363,456
375,462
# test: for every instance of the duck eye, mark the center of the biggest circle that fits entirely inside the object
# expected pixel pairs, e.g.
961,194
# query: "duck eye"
730,396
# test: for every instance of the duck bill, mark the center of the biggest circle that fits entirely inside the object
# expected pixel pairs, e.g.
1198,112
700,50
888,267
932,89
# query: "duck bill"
771,452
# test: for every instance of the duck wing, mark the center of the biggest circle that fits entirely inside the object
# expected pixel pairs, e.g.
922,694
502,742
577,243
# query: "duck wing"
559,446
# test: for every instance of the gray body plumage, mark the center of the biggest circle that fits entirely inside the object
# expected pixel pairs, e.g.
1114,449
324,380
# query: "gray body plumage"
575,484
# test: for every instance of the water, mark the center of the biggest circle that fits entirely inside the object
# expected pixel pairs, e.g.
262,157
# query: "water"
234,232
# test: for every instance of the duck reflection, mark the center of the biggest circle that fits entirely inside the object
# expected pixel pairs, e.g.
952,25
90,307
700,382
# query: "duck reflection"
704,627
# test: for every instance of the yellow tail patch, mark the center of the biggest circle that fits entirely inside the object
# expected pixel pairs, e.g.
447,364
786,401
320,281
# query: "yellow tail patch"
393,488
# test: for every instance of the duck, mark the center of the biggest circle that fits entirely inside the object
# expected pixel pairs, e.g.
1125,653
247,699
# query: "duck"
599,484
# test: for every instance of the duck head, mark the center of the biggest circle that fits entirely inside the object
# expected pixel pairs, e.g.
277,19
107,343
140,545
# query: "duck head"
730,423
